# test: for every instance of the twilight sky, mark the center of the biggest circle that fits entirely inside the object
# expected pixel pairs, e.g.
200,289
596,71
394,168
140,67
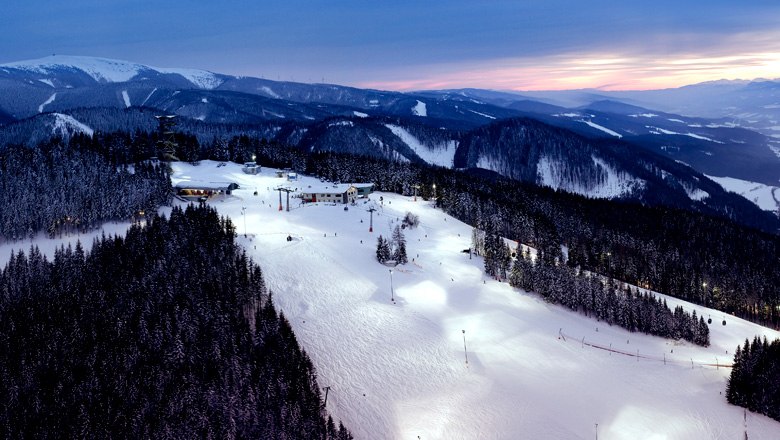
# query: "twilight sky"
413,44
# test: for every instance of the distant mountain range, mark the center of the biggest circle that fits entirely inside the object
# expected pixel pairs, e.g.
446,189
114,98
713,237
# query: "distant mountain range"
600,144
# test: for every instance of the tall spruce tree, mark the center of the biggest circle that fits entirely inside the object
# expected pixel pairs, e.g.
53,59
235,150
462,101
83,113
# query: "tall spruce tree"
399,246
383,252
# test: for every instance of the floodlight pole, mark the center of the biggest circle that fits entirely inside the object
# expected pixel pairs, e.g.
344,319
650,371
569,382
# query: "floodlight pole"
392,297
243,214
464,347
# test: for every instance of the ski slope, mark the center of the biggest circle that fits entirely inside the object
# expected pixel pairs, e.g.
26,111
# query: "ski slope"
398,370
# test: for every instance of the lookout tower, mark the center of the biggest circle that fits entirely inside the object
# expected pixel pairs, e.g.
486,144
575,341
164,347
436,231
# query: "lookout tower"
166,143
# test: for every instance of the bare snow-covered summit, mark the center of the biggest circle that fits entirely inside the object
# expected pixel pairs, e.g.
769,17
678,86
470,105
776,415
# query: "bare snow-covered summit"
105,70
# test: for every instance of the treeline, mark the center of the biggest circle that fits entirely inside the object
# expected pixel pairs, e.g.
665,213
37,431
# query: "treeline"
166,333
57,187
606,301
706,260
755,378
703,259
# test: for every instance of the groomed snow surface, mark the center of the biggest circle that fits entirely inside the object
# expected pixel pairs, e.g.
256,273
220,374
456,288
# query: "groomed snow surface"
47,102
397,370
656,130
442,155
420,109
602,128
764,196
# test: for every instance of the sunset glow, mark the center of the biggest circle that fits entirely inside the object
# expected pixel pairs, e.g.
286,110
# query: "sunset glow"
596,71
409,45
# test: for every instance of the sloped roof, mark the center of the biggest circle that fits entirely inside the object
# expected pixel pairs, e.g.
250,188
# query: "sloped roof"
327,188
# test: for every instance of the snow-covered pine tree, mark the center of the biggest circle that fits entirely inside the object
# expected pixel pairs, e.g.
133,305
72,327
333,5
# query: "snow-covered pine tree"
478,241
382,250
399,246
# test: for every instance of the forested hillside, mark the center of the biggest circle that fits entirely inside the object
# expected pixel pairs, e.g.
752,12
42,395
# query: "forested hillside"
68,187
703,259
755,379
166,333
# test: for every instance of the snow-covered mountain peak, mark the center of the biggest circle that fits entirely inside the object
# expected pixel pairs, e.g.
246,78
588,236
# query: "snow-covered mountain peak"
100,69
106,70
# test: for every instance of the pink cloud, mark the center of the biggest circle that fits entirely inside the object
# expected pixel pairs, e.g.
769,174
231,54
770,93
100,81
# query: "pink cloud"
595,70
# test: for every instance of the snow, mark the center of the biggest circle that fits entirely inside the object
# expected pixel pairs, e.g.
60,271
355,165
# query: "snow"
398,370
360,114
764,196
678,120
67,123
775,150
126,98
200,78
420,109
270,92
644,115
698,136
105,70
341,123
442,155
149,96
47,102
696,193
657,130
482,114
568,115
204,100
604,129
100,69
550,174
47,82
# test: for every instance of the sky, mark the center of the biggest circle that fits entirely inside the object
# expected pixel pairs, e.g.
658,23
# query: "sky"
412,44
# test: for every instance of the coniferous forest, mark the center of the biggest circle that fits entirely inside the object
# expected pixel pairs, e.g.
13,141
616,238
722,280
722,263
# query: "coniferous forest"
755,378
61,364
606,301
58,187
168,332
703,259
